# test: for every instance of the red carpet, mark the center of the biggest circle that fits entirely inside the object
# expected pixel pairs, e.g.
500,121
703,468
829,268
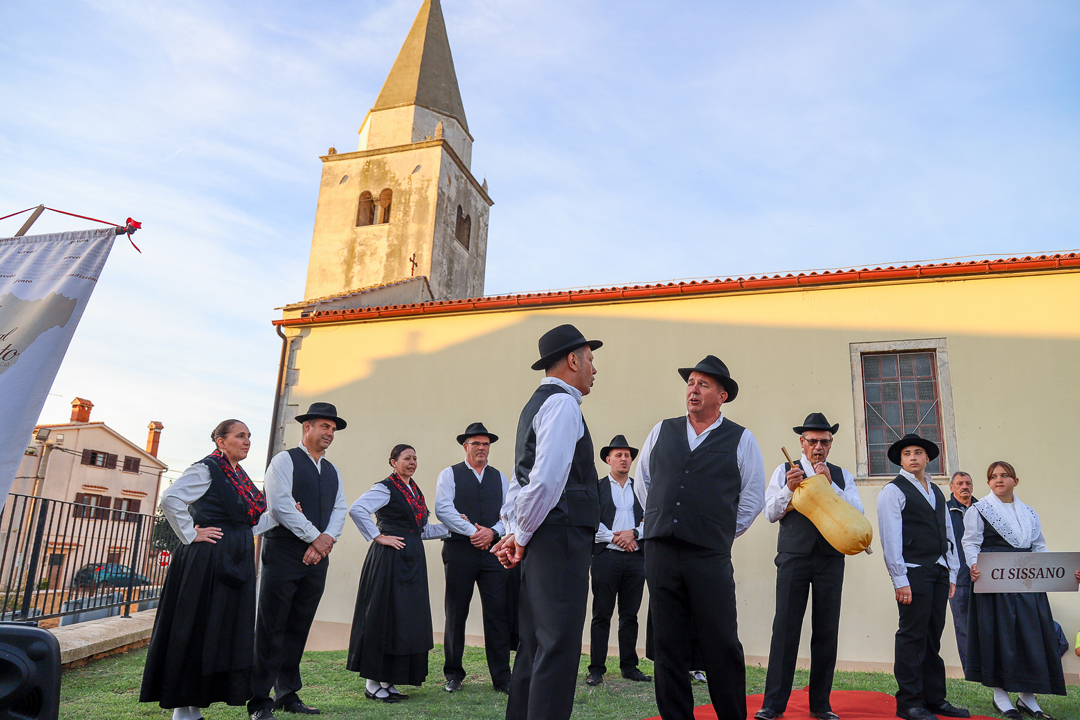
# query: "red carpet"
848,704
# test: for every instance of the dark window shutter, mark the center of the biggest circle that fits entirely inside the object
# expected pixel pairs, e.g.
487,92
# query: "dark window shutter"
77,510
110,461
131,464
104,504
135,505
87,457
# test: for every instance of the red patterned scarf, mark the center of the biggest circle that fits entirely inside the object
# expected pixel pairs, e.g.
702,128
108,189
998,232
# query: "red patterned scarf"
251,495
414,498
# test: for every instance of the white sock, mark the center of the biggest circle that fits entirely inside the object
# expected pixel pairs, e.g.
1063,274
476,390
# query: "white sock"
1001,699
372,686
393,690
385,685
181,713
1030,701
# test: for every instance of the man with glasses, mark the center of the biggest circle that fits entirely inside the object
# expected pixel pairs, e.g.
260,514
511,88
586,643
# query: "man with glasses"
804,559
468,498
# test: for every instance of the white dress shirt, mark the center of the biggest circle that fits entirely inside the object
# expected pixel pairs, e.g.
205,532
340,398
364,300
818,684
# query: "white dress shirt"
278,486
186,489
445,493
623,498
891,503
376,499
558,425
751,470
778,494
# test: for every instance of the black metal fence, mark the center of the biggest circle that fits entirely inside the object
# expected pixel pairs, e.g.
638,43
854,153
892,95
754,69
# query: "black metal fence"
78,561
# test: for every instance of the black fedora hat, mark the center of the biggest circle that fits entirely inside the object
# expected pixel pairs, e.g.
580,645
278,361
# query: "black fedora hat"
557,342
322,410
714,366
931,448
816,421
617,443
476,428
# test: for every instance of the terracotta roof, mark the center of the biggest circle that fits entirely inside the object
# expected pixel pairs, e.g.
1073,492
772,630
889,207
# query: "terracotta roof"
68,424
929,271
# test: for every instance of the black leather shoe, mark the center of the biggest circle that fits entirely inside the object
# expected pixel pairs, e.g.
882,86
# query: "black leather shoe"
382,695
453,686
825,715
504,689
1011,713
948,710
395,693
767,714
1038,714
637,676
296,706
262,715
594,679
915,712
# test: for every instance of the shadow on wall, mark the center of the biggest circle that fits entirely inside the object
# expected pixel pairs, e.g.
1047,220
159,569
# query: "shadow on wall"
784,373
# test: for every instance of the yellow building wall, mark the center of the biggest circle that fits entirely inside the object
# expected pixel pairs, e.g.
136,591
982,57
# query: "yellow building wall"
1013,344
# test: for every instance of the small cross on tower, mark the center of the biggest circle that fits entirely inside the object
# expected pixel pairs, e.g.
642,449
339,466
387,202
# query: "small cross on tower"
412,260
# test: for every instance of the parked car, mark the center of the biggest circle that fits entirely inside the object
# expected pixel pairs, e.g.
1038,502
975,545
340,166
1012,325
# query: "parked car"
106,574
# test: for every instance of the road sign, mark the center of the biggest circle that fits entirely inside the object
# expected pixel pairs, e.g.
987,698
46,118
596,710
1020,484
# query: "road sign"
164,558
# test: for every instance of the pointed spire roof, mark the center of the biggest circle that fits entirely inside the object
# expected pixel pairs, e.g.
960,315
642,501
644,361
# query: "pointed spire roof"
423,73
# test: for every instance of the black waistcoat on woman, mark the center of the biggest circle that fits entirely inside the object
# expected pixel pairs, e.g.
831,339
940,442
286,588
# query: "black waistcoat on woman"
391,629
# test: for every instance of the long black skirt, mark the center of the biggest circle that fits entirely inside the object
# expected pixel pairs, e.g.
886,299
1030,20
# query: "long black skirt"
391,628
204,633
1012,643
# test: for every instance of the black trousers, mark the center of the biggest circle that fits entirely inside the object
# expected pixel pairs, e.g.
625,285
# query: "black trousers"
617,577
692,594
289,595
554,592
918,667
796,575
466,566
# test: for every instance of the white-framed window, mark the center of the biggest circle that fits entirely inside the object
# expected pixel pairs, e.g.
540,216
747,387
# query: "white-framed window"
901,387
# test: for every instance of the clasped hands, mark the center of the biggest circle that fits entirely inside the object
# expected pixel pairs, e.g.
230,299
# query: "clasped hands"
626,540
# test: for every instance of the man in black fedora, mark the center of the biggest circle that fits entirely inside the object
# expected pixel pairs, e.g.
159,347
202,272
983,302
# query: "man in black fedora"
804,559
919,548
305,496
618,565
701,480
552,511
475,490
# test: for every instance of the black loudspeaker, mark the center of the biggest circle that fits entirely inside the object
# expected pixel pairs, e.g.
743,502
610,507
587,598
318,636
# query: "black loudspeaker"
29,673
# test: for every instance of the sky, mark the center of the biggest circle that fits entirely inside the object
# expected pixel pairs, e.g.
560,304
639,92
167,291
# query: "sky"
622,143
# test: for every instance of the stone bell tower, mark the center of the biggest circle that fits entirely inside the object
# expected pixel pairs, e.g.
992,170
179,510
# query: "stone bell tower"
405,204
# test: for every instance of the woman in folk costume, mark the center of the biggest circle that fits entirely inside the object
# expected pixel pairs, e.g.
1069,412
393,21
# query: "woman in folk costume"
1012,643
204,633
391,629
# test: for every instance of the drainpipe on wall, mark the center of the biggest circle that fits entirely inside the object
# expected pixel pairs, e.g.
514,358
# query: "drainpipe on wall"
278,392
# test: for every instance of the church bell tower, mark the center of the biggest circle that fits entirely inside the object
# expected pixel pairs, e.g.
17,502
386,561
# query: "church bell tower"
405,205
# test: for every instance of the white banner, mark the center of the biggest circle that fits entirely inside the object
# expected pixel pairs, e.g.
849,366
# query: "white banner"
45,283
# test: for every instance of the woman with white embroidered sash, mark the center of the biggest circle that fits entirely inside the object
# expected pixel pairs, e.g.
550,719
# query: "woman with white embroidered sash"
1012,643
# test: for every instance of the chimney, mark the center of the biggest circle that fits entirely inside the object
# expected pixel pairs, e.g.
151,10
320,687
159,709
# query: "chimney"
154,437
80,410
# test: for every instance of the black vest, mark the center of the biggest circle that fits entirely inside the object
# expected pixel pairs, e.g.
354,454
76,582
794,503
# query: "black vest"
478,501
607,510
694,495
220,505
798,535
315,490
924,527
579,505
396,516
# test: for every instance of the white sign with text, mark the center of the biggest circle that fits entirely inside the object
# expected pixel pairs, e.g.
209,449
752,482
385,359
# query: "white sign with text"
1020,572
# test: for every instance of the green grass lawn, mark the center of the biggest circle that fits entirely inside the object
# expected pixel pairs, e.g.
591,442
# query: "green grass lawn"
109,688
